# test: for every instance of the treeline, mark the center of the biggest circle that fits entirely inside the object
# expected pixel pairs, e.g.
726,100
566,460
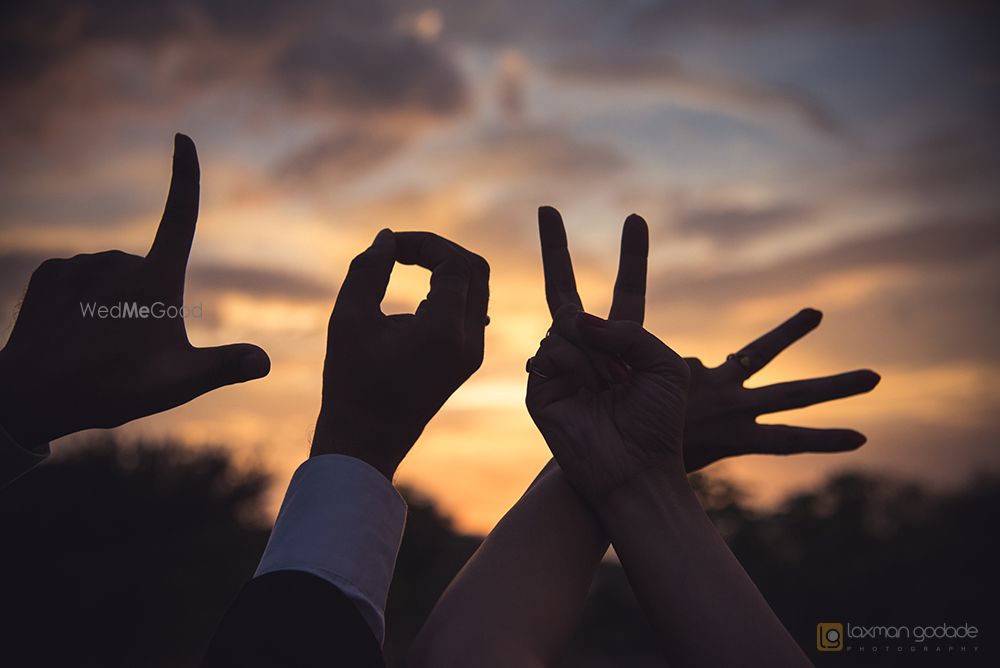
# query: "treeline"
127,555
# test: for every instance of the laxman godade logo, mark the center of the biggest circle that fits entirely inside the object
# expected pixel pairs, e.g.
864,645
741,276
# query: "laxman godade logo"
829,636
952,639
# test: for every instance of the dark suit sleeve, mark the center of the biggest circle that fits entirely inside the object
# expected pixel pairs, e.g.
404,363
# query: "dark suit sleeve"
292,619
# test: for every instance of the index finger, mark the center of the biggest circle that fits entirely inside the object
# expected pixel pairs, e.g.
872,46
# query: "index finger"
451,274
755,355
169,253
368,276
560,284
629,301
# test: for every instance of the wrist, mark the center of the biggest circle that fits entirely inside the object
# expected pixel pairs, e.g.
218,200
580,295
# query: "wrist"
652,486
378,451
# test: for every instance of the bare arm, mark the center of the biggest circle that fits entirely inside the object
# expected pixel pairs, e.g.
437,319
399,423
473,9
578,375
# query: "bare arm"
620,443
546,549
517,600
705,609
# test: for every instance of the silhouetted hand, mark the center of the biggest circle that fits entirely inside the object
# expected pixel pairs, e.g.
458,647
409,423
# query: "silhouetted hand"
386,376
721,418
63,371
721,414
604,431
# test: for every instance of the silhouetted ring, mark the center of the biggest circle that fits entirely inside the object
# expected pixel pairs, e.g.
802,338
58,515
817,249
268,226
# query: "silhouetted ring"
743,359
530,367
486,323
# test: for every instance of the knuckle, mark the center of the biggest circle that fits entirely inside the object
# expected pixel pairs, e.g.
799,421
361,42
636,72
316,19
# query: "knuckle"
359,263
475,361
680,369
464,265
116,255
695,364
443,336
48,269
479,264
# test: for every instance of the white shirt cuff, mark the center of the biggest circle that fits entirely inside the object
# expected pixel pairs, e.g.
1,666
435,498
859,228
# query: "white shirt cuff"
342,521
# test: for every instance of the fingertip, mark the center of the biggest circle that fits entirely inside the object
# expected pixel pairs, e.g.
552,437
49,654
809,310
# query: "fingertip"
547,212
185,154
255,364
841,440
811,314
384,238
551,231
635,235
183,143
871,379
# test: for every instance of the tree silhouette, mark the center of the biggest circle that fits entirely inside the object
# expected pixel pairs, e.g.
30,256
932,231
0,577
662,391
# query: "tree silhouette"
121,555
127,555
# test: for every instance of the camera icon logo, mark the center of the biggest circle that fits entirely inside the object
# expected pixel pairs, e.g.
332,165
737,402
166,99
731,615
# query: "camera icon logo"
829,636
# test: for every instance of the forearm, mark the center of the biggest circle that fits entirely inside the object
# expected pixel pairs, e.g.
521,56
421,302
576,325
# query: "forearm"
701,603
517,600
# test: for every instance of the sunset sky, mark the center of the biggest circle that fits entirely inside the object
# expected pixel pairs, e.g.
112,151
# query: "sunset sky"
843,156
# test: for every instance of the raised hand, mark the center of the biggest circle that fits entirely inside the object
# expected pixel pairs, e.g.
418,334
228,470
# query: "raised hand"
385,377
618,441
604,431
721,418
66,368
721,414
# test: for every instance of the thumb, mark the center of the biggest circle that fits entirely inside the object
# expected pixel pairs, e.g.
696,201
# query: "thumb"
217,366
368,276
626,339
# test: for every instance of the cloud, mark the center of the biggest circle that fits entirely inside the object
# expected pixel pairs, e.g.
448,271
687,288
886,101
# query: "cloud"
730,224
16,270
537,152
666,15
258,282
949,162
724,92
926,246
95,207
344,153
342,57
370,67
510,86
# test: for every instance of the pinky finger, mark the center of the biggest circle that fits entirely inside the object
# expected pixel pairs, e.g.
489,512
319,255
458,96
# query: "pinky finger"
780,439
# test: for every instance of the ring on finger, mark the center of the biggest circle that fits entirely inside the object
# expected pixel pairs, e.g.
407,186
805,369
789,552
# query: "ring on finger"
530,367
743,359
